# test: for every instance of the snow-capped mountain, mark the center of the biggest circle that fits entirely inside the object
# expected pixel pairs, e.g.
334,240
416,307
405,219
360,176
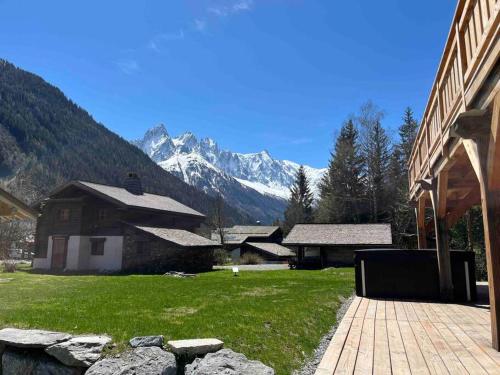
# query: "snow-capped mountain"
255,179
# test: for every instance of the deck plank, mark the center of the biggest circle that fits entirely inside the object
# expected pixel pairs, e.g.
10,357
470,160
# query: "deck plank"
399,361
364,361
385,336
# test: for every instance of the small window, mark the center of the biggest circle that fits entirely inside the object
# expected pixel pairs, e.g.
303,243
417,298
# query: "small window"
97,246
102,214
63,214
142,247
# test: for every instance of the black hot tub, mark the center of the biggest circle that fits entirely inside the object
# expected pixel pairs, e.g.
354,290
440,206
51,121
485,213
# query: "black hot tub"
412,274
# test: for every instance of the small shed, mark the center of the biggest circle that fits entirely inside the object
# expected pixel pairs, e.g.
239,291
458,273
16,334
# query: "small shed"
326,245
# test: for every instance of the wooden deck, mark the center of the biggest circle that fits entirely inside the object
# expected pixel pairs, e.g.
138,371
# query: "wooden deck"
403,337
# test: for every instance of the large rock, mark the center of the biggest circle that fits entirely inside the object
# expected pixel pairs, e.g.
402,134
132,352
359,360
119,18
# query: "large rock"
34,363
151,361
31,338
195,347
81,351
145,341
227,362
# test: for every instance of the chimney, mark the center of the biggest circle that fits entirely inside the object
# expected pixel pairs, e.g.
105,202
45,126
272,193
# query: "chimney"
133,184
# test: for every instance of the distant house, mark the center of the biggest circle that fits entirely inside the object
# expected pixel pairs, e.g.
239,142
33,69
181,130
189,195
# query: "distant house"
262,240
325,245
85,226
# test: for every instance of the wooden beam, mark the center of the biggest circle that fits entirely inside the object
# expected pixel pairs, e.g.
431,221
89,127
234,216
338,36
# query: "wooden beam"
493,150
438,191
482,151
421,230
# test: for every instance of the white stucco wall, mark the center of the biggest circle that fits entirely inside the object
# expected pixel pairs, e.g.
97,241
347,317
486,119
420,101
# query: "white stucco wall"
79,258
44,263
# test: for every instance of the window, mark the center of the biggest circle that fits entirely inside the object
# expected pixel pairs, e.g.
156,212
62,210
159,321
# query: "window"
102,214
142,247
63,214
97,246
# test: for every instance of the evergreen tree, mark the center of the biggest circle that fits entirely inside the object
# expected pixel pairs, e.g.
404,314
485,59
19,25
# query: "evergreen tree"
402,212
299,208
375,148
342,187
407,133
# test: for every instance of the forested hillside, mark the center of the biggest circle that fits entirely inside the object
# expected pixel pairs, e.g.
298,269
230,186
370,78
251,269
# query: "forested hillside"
46,140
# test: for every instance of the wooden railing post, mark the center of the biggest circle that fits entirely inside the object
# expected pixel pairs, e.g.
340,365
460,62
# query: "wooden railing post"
420,213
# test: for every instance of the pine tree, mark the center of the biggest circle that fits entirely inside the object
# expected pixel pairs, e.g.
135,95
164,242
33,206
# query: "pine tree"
342,187
402,212
375,148
299,208
407,133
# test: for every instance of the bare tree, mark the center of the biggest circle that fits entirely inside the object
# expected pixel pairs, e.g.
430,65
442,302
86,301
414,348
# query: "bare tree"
18,233
219,219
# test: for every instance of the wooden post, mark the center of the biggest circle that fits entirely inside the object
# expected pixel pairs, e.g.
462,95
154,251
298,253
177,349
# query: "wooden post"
480,142
420,213
437,188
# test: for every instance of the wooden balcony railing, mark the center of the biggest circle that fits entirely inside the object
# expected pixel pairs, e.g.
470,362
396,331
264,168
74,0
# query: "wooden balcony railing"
473,34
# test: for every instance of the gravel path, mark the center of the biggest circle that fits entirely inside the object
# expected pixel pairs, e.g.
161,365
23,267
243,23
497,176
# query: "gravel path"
254,267
312,363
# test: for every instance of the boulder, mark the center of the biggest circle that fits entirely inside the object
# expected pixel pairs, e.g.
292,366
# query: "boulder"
144,341
31,338
34,363
194,347
149,360
81,351
227,362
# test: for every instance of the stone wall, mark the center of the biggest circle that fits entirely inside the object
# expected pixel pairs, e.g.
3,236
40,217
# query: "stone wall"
37,352
148,254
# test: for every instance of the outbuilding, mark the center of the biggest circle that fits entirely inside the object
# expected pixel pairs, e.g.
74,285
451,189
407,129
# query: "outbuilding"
327,245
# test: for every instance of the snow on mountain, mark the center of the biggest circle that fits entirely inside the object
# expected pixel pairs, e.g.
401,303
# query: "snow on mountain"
201,163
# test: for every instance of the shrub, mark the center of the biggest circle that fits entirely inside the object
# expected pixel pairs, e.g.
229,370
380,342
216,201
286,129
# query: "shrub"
9,266
251,258
221,257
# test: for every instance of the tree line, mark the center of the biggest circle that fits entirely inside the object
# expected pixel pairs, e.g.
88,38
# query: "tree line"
366,179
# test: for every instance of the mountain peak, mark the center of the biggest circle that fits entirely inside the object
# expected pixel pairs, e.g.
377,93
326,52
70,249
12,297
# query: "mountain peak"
157,131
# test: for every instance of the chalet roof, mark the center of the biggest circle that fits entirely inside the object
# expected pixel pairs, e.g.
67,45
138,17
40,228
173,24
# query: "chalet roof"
13,208
123,197
272,248
238,234
179,237
339,234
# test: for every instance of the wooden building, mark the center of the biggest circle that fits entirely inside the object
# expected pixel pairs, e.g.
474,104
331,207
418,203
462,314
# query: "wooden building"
85,226
262,240
455,162
327,245
11,208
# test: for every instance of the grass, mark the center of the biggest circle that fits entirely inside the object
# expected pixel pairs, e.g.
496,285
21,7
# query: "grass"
277,317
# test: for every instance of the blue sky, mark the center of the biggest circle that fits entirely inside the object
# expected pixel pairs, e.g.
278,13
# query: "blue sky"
280,75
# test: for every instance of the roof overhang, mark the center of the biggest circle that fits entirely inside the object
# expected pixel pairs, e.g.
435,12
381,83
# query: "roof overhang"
12,208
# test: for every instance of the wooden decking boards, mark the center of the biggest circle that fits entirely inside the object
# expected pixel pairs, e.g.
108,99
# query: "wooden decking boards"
382,336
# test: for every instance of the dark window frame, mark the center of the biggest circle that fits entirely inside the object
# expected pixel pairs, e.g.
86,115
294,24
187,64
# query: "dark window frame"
64,215
97,246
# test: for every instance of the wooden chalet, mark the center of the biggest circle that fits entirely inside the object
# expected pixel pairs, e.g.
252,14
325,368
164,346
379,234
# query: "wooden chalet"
262,240
326,245
11,208
85,226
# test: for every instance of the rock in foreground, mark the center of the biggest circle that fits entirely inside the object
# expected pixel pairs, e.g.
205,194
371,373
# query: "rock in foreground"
81,351
17,363
227,362
31,338
146,341
195,347
151,361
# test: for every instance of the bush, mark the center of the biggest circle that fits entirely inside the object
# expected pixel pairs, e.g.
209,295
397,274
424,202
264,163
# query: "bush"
251,258
221,257
9,266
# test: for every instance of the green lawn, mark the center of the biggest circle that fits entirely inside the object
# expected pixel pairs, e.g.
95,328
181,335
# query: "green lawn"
277,317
